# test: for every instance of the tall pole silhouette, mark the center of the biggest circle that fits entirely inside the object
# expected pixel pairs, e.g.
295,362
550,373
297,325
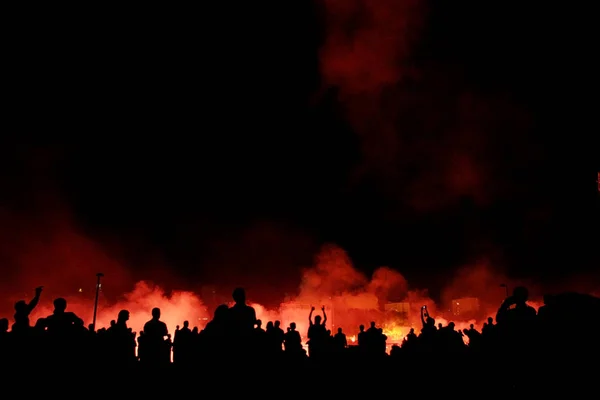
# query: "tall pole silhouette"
505,286
99,275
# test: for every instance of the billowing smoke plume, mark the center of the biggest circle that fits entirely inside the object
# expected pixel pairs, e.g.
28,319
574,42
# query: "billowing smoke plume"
369,44
350,298
47,250
365,55
335,280
425,131
175,308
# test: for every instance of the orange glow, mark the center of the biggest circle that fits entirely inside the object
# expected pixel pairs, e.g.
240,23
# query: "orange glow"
176,308
350,299
182,306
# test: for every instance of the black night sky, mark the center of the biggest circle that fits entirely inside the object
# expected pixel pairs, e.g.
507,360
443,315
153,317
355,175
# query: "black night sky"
212,140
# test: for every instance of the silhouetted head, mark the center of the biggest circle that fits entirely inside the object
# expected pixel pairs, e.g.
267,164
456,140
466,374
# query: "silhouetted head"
258,323
40,324
490,320
20,306
412,330
221,312
361,328
277,324
60,305
451,326
430,322
339,330
123,316
520,294
472,326
549,299
293,326
239,296
318,319
186,324
372,324
269,325
113,323
156,313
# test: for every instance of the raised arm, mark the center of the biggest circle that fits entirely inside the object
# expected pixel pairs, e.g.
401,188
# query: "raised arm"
504,307
324,315
36,299
312,309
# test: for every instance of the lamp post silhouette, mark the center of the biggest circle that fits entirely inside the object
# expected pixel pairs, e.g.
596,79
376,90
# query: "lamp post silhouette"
99,275
505,286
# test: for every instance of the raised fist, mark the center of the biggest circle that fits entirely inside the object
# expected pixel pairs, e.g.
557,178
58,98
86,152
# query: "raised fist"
323,308
39,289
312,308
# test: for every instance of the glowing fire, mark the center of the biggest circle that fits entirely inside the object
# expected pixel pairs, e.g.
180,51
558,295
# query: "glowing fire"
349,297
181,306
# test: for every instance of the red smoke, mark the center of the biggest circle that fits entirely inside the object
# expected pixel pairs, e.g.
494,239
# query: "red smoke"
175,307
369,43
49,249
65,261
43,249
427,136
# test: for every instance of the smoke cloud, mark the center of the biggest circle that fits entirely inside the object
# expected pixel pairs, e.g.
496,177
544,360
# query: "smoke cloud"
46,249
65,261
428,138
175,307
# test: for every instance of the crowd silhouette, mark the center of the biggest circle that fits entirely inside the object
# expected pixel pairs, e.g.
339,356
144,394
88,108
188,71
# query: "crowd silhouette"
518,341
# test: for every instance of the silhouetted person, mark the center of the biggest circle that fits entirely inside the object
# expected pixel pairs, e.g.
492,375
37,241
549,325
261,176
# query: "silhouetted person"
340,340
182,343
375,340
488,326
122,340
317,333
155,333
61,322
215,337
521,313
277,335
242,317
292,340
516,321
23,310
362,339
258,327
